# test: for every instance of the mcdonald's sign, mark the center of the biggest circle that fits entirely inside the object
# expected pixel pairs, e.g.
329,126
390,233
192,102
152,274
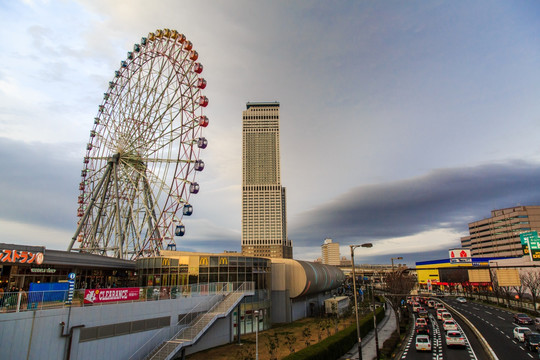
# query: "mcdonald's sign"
223,261
203,261
165,262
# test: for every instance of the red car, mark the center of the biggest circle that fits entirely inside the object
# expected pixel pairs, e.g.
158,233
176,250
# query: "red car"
522,319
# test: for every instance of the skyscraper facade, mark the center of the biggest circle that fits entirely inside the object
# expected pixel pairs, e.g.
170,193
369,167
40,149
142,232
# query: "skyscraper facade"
330,253
264,220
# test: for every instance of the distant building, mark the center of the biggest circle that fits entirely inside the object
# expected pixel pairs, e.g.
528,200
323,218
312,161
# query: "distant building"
345,262
330,252
264,218
498,235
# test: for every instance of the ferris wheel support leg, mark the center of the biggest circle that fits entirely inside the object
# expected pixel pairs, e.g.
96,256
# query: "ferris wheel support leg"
92,200
119,233
96,224
150,205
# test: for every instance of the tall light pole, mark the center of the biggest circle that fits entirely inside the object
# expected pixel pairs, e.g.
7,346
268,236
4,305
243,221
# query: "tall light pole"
366,245
396,258
375,320
256,313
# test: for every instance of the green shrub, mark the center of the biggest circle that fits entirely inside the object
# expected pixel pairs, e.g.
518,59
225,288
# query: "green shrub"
335,346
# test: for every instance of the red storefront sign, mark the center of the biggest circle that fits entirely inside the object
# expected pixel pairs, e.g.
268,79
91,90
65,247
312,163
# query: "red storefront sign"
21,257
94,296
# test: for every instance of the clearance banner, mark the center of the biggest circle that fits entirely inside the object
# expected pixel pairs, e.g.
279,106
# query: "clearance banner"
94,296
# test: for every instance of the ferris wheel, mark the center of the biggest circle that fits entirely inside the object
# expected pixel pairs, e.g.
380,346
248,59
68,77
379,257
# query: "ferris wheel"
143,155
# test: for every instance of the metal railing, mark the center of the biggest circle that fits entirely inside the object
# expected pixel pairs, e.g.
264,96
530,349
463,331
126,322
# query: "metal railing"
192,325
43,300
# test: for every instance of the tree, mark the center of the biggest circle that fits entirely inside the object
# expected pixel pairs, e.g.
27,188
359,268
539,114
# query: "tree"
290,341
531,281
398,285
306,334
272,344
495,285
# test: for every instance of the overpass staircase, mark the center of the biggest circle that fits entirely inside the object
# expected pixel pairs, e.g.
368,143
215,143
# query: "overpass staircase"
194,324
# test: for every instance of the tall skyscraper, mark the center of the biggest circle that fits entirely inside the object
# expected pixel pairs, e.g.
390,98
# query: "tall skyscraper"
330,252
264,218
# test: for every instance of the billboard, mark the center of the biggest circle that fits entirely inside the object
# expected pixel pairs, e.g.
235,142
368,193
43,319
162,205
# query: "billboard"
530,243
460,255
93,296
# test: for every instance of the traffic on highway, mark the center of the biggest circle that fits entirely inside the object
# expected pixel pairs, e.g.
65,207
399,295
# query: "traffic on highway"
439,332
511,335
436,334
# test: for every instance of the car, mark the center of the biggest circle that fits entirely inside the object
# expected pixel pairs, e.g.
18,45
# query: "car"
423,343
422,330
446,316
519,333
521,318
531,341
439,312
438,305
455,338
461,300
423,313
415,306
431,304
449,325
420,321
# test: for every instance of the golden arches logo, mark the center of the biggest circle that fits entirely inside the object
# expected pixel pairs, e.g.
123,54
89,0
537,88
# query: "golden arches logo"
223,261
203,261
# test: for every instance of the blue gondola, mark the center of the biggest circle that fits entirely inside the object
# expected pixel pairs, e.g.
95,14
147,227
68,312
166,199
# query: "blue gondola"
180,230
187,210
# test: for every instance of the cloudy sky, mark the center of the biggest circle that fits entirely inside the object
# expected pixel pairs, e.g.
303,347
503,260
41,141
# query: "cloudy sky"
400,121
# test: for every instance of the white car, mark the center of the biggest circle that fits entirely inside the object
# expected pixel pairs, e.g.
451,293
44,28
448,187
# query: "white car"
449,325
420,321
423,343
439,312
461,300
455,338
446,316
519,333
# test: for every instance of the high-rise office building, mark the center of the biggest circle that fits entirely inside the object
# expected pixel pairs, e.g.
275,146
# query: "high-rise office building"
330,253
264,220
498,235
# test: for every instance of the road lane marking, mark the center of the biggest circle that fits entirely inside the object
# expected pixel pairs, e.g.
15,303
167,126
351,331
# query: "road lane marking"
500,317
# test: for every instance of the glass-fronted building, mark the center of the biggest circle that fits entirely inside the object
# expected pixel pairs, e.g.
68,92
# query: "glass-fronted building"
177,268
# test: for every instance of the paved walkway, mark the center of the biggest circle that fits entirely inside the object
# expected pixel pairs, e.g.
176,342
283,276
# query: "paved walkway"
384,329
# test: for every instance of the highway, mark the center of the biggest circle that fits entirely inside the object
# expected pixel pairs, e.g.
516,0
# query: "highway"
472,351
496,326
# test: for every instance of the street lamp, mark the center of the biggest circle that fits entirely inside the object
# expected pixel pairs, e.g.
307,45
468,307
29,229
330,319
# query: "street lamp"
256,313
396,258
366,245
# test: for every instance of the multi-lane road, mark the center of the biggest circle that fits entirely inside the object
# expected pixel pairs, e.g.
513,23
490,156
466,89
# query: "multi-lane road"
495,325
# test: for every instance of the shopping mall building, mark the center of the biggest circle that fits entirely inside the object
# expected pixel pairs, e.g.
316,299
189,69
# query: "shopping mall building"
163,292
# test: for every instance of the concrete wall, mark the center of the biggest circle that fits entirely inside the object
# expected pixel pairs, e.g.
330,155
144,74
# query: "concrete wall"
281,307
37,334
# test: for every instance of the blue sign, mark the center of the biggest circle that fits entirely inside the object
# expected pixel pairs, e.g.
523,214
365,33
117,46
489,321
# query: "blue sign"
71,287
